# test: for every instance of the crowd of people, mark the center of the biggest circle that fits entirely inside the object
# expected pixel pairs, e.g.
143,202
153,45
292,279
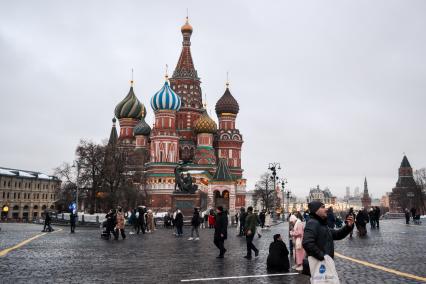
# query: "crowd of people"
311,232
415,215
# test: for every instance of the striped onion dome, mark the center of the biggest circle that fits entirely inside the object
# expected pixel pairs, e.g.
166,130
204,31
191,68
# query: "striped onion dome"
130,107
142,128
227,103
165,99
205,124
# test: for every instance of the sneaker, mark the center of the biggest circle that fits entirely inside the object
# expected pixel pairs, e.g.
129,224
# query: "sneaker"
256,253
299,268
259,235
294,267
197,239
247,256
190,239
219,256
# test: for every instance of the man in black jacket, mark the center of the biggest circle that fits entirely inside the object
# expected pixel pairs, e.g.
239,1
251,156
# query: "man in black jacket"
318,237
220,231
242,216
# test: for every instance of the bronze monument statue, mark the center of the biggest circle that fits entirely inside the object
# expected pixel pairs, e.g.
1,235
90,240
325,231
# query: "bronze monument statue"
183,183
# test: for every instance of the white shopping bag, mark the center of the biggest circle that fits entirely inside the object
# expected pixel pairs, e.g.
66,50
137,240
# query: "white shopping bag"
323,271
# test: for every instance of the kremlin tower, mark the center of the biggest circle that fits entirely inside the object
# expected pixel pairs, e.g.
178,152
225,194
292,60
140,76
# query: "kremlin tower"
184,135
366,199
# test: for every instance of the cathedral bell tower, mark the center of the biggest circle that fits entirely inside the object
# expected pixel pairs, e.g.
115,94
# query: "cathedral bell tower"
186,83
229,140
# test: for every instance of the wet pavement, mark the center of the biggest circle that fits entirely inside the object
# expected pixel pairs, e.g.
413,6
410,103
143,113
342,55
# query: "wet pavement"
160,257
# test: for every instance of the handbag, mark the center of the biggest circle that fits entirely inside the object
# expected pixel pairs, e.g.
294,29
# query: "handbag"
323,271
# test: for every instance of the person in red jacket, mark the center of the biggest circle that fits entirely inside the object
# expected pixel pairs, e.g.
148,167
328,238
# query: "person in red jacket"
212,220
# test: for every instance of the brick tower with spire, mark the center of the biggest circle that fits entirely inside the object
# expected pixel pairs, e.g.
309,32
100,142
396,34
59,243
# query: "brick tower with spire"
229,140
186,83
406,193
366,199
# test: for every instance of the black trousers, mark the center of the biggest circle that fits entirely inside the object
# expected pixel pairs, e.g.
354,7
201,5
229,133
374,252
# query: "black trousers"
140,227
72,227
179,230
250,245
220,244
242,230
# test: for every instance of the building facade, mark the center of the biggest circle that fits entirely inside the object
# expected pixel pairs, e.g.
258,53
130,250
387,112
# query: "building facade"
324,196
24,195
184,134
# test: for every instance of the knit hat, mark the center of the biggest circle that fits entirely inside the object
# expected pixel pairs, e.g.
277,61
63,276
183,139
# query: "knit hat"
276,236
313,206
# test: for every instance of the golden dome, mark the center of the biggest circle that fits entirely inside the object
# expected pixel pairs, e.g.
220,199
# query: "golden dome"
186,27
205,124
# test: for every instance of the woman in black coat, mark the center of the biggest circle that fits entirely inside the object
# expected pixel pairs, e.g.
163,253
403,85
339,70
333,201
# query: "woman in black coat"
278,256
179,223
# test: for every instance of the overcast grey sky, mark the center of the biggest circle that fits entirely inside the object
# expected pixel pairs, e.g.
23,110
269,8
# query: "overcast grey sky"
333,90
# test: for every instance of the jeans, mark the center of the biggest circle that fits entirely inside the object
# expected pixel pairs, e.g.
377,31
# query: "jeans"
194,228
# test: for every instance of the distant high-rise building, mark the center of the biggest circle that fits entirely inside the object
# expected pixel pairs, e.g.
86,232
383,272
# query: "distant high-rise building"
348,192
356,192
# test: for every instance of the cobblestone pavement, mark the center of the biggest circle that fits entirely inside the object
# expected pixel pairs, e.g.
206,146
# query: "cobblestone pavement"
83,257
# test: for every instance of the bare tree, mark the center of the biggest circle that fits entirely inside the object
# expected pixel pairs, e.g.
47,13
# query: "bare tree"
420,178
90,158
68,174
264,192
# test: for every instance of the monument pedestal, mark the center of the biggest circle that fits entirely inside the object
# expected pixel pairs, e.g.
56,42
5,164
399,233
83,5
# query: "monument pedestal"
186,202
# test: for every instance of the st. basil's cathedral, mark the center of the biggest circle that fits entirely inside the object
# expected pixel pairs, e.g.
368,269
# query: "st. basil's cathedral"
184,134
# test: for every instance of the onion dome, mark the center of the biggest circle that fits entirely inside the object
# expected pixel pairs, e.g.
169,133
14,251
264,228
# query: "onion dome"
130,107
165,99
186,28
205,124
142,128
227,103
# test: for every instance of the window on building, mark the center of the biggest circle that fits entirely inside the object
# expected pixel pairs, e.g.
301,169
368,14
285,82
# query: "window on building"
15,184
4,194
8,184
19,195
14,195
8,195
19,185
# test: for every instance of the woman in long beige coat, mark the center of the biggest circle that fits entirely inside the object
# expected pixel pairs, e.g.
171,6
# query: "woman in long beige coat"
120,224
150,221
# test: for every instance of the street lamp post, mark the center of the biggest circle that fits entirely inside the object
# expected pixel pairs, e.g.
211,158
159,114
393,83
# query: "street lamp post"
273,167
283,183
77,165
